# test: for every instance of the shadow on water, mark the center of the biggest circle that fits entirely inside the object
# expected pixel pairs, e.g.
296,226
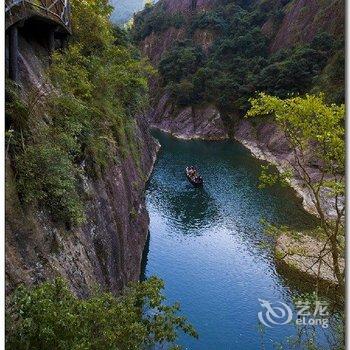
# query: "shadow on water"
299,283
145,259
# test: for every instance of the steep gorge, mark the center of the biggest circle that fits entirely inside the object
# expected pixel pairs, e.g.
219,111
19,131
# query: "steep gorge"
107,249
287,27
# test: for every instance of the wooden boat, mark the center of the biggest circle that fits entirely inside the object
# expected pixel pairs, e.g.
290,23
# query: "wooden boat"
193,177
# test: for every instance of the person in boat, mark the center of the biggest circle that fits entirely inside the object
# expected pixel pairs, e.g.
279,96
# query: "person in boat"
191,171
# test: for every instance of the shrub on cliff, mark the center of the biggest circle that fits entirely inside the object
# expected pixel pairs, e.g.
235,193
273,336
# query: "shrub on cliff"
180,62
154,19
82,124
51,317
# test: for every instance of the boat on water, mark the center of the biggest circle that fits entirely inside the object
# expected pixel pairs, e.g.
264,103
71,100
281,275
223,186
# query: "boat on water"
193,176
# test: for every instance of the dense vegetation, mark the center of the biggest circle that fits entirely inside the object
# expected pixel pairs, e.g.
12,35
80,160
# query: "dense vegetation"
51,317
155,19
57,136
239,63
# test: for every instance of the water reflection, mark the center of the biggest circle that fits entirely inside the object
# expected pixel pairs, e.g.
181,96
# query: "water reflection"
189,210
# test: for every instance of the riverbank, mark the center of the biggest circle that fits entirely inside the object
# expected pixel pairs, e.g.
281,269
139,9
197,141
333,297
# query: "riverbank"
310,256
267,143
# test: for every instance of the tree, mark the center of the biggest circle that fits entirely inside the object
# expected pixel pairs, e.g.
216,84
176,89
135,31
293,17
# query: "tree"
49,316
315,132
180,62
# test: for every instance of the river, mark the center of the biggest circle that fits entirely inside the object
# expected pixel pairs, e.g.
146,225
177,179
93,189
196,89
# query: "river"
210,247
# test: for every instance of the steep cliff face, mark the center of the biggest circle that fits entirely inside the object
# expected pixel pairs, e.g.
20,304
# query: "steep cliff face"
107,249
154,45
301,21
200,122
304,18
158,43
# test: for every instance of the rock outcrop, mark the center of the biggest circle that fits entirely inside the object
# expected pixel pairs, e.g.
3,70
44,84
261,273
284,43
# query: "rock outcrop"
303,20
203,122
154,45
307,255
157,43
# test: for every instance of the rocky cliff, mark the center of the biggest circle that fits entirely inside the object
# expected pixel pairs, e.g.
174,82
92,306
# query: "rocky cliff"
303,19
194,122
105,251
266,142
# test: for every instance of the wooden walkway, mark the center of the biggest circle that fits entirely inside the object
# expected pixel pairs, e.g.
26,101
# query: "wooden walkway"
57,11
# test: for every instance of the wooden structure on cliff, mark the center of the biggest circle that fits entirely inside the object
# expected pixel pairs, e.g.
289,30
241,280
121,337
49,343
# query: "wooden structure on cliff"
51,18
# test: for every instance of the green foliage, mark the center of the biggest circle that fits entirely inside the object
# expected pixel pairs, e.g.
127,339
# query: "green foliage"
308,121
315,131
16,110
332,77
47,174
268,177
85,123
239,63
208,20
225,75
49,316
91,26
294,71
180,62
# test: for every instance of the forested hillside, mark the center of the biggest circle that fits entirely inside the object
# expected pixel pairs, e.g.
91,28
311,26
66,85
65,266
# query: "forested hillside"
222,52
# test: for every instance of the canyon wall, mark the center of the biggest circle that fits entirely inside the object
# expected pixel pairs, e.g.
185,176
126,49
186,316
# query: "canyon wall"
107,250
304,18
193,122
